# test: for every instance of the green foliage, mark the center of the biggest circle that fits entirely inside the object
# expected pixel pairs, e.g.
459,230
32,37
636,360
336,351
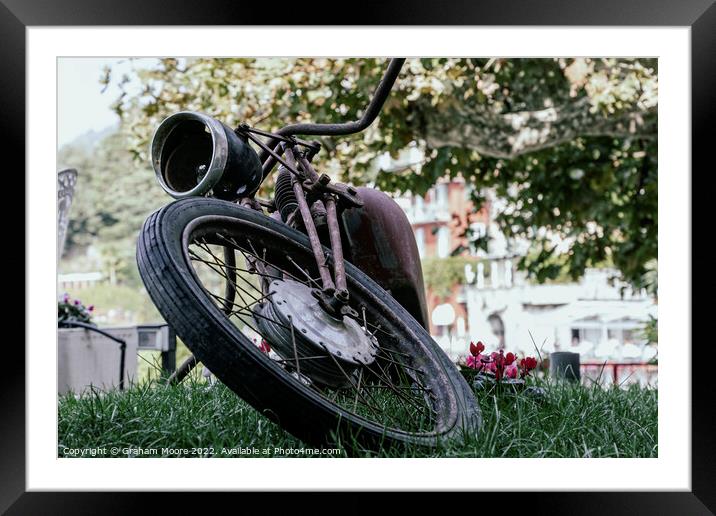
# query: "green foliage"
570,143
599,193
571,421
651,330
442,274
149,364
113,196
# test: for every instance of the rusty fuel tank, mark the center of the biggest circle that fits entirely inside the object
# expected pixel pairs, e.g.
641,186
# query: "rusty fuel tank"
379,240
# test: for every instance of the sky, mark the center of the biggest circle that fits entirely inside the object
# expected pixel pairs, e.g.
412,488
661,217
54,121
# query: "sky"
81,105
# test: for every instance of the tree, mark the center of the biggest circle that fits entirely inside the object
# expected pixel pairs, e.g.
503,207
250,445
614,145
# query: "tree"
569,143
113,196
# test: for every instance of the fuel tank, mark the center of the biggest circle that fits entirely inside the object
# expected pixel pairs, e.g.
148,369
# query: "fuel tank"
379,240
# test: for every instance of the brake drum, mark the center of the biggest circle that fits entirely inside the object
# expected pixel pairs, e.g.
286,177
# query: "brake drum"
327,350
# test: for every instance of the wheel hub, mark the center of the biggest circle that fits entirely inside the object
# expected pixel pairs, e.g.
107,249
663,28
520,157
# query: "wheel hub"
328,349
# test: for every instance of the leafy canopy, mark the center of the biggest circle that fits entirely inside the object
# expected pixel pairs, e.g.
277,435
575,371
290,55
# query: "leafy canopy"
569,144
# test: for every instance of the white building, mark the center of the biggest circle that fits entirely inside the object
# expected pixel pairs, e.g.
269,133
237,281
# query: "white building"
589,317
601,321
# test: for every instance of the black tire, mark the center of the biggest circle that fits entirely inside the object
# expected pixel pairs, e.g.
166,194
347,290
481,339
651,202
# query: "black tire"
166,269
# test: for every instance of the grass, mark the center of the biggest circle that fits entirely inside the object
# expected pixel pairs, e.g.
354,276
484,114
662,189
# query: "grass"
570,421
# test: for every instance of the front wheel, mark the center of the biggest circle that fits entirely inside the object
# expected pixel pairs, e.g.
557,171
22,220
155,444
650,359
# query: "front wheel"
369,381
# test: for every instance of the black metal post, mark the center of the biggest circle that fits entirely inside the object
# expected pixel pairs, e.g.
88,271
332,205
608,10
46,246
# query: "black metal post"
169,357
564,365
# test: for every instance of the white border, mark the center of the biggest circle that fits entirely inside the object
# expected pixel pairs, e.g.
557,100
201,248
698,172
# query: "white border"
671,471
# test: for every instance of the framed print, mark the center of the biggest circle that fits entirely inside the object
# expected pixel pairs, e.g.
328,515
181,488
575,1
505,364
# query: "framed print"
283,242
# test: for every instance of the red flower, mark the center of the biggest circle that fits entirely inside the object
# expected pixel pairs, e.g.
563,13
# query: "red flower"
499,360
476,349
264,346
527,364
499,363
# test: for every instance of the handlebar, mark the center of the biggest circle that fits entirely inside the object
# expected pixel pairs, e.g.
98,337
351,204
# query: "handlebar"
371,113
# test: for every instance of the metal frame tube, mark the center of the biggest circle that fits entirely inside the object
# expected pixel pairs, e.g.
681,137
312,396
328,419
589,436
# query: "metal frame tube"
371,113
334,232
326,280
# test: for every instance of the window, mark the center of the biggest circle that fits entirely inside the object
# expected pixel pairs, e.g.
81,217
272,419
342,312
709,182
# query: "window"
508,273
420,240
591,335
443,242
442,196
419,207
498,329
460,327
614,333
480,275
495,274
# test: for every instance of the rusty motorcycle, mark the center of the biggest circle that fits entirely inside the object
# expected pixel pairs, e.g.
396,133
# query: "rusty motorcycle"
310,305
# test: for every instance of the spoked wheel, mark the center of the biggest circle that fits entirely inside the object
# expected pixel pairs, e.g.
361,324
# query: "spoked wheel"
238,288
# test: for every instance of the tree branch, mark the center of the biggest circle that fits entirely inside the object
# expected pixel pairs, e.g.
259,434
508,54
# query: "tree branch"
512,134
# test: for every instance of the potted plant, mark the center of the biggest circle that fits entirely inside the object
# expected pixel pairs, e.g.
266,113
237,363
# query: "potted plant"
72,310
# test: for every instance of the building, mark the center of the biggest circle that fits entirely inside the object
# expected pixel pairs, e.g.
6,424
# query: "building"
444,221
491,301
78,280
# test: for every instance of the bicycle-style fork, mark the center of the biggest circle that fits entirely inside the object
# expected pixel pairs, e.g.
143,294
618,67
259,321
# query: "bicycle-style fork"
315,195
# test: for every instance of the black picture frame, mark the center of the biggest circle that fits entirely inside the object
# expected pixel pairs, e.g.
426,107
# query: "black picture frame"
699,15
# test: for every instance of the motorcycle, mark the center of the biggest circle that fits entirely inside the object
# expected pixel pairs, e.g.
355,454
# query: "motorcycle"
310,305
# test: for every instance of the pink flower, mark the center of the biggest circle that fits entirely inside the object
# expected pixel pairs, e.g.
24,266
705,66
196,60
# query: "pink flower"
499,363
476,361
498,360
490,366
90,308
